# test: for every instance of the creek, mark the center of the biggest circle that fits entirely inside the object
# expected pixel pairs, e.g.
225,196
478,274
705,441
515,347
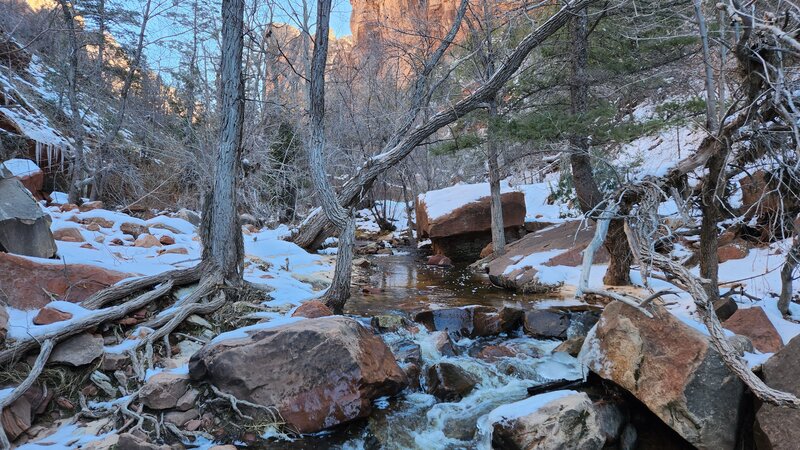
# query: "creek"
403,284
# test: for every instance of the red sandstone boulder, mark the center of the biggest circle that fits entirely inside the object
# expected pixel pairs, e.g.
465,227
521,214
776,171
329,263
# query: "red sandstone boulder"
91,206
26,282
754,323
147,241
439,260
166,240
777,427
458,219
734,250
672,369
318,373
134,229
312,310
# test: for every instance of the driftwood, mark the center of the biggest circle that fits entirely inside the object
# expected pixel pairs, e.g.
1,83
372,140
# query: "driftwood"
178,277
18,348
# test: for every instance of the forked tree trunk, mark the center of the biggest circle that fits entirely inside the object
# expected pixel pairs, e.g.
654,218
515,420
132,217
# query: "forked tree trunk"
589,195
222,234
343,220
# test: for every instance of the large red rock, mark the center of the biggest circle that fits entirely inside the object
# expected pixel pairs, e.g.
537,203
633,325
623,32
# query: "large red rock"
26,283
464,231
48,315
318,373
754,323
572,237
672,369
778,428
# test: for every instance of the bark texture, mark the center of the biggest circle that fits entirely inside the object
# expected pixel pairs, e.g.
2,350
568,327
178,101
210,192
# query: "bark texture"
222,233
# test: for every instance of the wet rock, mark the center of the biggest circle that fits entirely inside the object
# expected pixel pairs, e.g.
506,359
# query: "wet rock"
492,353
571,346
388,322
454,320
490,323
343,368
146,241
449,382
70,234
312,309
24,227
611,419
163,390
778,427
754,324
407,350
555,420
134,229
581,322
385,251
443,343
543,324
78,350
439,260
48,315
26,283
671,368
91,206
725,307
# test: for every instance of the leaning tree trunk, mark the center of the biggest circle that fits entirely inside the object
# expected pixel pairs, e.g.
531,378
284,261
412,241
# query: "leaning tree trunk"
589,195
222,234
343,220
397,149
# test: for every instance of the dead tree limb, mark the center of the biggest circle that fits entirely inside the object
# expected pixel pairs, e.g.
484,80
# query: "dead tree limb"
22,388
179,277
18,348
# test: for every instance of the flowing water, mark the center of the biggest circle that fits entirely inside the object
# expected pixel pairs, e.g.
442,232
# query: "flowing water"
416,420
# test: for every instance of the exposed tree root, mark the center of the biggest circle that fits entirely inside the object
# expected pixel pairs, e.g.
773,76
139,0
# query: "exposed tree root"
178,277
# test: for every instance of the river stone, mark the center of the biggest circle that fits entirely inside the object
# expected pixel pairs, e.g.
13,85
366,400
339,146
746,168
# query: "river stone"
318,373
554,420
543,324
776,427
470,321
78,350
671,368
449,382
24,227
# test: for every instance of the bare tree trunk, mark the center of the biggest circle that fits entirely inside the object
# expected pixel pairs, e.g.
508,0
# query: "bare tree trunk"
396,150
496,201
589,195
409,210
78,165
222,234
714,183
343,220
787,276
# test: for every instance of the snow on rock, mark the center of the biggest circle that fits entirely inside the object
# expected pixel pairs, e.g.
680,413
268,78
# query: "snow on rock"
21,167
511,411
441,202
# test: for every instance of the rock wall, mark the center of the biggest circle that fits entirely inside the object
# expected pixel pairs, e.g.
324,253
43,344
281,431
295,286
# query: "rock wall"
374,21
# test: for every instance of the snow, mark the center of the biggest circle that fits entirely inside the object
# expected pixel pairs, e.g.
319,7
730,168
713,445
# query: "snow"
511,411
21,167
444,201
20,323
66,437
536,207
244,332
